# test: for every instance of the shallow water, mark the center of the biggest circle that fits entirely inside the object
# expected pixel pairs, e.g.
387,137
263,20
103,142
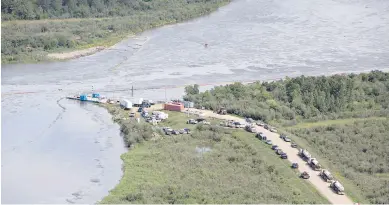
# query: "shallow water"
64,152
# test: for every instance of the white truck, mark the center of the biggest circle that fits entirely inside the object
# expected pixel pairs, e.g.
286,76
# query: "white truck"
304,154
126,104
337,187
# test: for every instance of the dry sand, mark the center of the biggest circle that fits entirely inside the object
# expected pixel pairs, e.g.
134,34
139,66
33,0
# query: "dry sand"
75,54
315,179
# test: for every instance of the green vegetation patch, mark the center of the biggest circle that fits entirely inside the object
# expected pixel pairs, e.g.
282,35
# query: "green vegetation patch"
359,151
212,165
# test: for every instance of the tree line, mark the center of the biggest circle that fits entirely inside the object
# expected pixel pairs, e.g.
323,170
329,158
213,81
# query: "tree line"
47,9
301,98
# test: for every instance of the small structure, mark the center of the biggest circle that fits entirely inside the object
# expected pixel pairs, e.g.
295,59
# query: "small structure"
83,97
174,106
188,104
95,95
337,187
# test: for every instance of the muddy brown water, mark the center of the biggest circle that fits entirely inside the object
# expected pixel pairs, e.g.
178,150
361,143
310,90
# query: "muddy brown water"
60,151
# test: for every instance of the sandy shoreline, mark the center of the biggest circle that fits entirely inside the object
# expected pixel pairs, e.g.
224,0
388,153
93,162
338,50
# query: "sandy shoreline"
75,54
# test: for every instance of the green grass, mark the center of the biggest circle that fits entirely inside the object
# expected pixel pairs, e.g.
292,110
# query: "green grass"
333,122
339,148
237,169
178,120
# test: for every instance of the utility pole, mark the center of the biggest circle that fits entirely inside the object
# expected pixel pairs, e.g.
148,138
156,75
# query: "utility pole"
165,94
132,91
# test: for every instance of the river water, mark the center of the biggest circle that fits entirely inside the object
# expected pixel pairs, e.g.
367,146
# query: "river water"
59,151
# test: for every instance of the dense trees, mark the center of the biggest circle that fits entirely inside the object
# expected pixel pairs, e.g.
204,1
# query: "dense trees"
303,98
43,9
25,41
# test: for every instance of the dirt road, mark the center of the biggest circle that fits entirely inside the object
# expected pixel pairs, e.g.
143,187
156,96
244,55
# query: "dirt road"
315,179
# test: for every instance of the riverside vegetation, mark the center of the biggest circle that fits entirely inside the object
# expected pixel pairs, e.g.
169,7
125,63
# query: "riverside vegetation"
210,165
31,29
341,119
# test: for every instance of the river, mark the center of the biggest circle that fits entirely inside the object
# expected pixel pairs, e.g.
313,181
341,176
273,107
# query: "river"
59,151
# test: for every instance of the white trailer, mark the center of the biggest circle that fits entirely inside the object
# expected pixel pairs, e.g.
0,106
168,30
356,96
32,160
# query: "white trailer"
126,104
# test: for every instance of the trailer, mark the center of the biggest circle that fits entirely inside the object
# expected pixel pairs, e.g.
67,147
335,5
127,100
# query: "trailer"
337,187
126,104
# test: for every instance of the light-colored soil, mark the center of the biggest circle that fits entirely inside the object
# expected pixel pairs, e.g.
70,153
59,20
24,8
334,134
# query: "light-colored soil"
75,54
315,179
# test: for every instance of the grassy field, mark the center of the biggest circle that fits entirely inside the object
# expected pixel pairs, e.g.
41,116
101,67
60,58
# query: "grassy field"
333,122
356,152
211,165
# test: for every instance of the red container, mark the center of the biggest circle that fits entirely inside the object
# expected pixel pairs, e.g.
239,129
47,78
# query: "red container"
174,107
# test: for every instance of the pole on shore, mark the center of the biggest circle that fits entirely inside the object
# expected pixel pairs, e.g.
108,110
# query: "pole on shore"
132,91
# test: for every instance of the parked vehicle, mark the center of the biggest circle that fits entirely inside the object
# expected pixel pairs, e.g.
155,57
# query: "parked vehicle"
279,151
284,156
239,125
250,128
304,154
295,165
167,129
266,127
274,147
260,124
260,136
327,176
187,130
181,131
269,142
132,114
305,175
294,145
222,111
191,121
140,109
175,132
314,164
273,130
337,187
286,139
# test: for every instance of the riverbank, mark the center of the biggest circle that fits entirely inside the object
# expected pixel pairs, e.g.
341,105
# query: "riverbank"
75,54
210,165
54,39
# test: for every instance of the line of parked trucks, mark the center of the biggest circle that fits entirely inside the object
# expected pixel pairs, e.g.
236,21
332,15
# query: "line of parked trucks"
304,154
